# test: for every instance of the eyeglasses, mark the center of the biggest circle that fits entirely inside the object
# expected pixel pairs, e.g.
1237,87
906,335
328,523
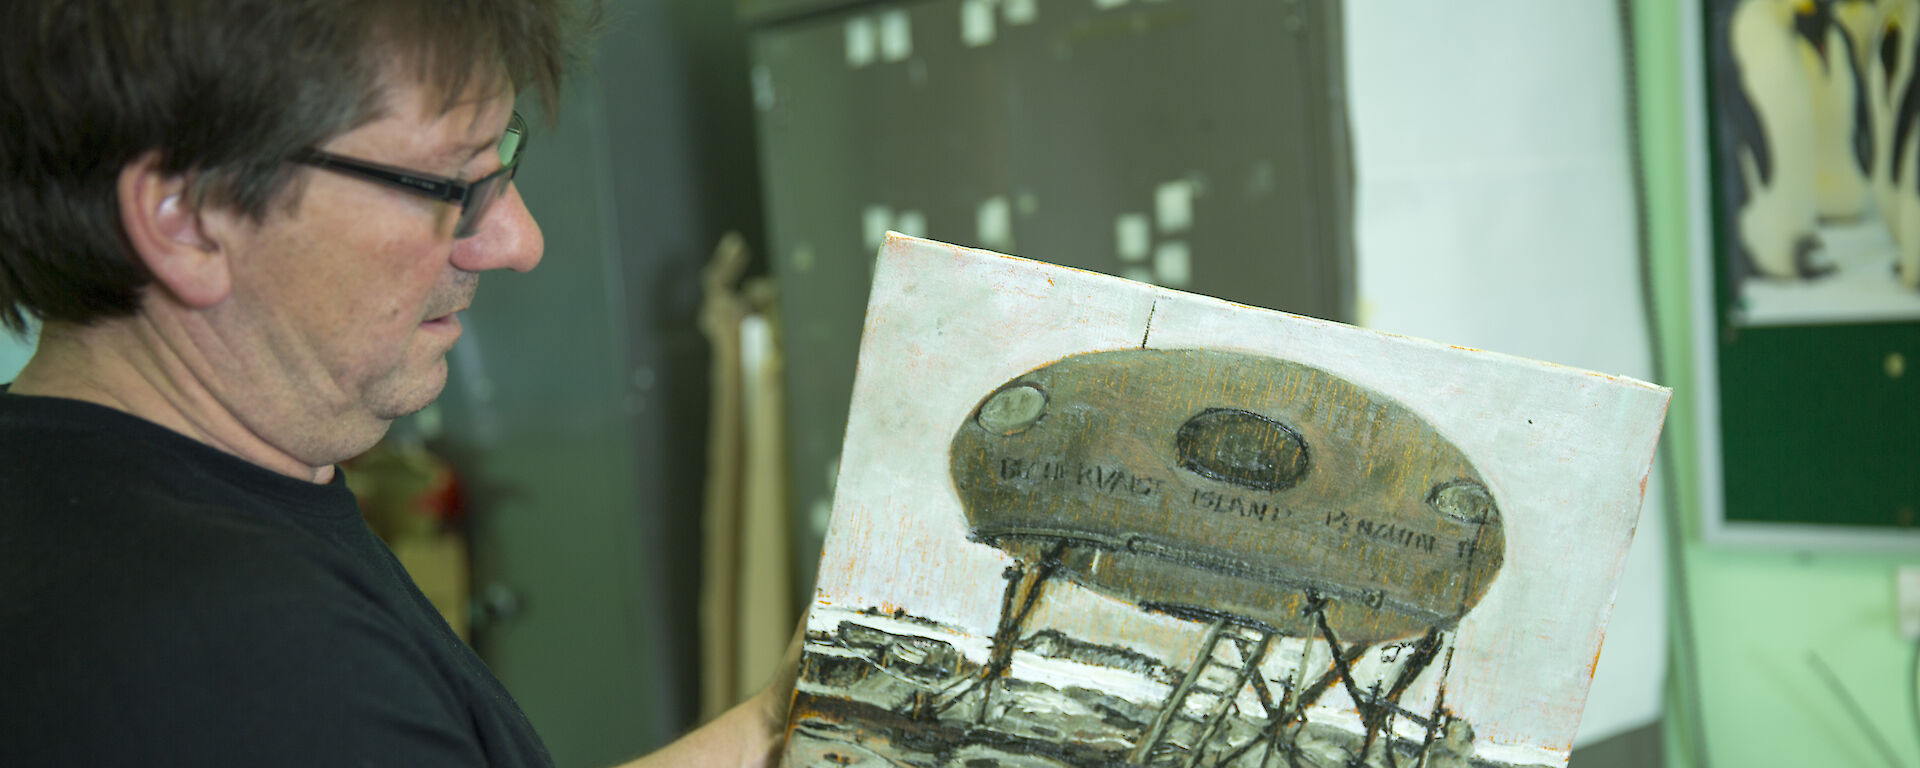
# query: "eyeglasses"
473,197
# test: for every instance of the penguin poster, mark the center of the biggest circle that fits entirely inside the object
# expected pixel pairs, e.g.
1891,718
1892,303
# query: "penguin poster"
1817,158
1083,521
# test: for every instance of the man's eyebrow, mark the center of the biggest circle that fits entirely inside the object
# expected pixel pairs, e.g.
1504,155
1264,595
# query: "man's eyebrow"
465,152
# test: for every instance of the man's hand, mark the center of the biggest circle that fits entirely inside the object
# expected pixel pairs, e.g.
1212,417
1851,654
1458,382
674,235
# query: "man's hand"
752,734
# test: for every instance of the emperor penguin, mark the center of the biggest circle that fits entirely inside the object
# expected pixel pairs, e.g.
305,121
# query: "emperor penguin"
1893,103
1842,129
1860,21
1772,134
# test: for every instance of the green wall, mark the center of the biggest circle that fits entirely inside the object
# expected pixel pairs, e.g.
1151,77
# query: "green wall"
1744,691
14,352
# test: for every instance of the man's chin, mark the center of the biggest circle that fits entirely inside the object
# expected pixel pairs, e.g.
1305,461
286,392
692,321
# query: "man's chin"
412,395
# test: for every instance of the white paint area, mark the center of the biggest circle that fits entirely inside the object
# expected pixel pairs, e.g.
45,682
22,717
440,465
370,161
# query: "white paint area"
896,35
802,258
1133,236
819,516
1260,179
1027,202
862,41
1284,661
1105,4
993,223
911,223
1494,210
1018,12
763,97
976,22
1173,264
1173,205
875,220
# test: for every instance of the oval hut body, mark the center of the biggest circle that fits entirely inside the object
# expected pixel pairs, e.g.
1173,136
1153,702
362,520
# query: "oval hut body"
1212,484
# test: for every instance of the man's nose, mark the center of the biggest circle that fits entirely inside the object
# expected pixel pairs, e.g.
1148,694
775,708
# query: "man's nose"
508,238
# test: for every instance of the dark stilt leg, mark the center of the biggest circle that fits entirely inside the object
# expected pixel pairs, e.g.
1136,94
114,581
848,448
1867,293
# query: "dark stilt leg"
1250,659
1437,721
1016,604
1423,653
1143,751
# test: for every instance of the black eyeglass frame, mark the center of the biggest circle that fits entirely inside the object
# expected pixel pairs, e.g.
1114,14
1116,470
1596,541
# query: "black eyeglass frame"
473,197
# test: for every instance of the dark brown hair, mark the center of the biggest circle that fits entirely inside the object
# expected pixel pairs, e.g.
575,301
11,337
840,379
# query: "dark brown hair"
225,91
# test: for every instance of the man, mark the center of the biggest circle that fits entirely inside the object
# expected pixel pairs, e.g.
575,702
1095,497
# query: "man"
245,227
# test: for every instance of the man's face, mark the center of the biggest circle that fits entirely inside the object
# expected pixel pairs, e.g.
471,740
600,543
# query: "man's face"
342,309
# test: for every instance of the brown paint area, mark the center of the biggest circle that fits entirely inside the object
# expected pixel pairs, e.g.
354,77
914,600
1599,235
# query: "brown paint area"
1309,487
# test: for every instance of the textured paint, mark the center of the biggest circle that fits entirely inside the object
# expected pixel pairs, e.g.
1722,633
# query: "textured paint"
1099,466
1563,452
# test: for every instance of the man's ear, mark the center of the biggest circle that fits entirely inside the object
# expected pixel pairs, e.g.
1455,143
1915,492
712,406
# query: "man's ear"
168,235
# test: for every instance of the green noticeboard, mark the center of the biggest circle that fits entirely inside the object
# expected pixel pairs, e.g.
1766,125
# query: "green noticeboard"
1819,425
1816,271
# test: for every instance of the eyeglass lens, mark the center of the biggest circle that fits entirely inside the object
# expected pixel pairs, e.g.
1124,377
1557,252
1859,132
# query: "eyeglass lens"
484,192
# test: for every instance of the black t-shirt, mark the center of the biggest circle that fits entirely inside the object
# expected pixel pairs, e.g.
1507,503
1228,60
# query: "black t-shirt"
164,603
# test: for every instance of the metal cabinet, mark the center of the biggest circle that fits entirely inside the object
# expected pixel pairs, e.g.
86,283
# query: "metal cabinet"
1198,144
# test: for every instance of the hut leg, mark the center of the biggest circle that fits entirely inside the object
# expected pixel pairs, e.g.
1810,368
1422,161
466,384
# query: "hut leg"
1023,592
1274,712
1016,604
1436,721
1250,659
1368,704
1423,654
1143,751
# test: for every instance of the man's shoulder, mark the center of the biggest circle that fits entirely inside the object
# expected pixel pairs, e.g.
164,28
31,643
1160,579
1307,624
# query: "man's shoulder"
126,571
90,483
111,538
159,609
219,671
92,519
219,638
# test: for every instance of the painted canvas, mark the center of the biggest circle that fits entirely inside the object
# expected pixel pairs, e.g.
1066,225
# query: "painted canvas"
1082,521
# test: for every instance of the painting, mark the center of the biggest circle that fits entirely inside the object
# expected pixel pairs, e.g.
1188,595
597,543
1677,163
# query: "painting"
1817,156
1083,521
